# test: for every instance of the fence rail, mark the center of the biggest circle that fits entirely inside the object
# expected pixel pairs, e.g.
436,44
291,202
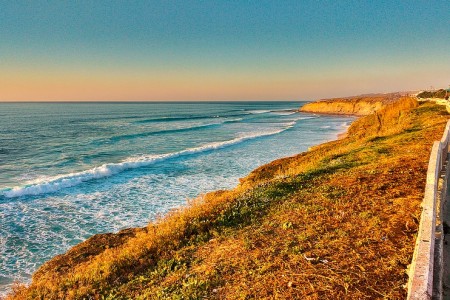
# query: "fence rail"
427,258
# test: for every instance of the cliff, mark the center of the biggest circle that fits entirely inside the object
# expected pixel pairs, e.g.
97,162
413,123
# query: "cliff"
336,222
358,105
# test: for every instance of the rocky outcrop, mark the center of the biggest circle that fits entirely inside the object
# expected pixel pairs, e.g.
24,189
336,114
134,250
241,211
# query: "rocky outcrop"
84,251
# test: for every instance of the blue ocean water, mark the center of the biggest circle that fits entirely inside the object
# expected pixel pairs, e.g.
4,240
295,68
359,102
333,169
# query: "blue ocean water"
71,170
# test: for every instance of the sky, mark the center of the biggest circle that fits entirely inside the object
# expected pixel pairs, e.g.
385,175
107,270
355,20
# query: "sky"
220,50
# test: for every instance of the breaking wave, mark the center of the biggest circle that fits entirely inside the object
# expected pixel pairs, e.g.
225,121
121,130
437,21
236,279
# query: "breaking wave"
56,183
187,118
167,131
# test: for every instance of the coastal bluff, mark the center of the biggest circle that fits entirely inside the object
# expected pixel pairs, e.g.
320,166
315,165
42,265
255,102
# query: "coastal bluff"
356,105
336,222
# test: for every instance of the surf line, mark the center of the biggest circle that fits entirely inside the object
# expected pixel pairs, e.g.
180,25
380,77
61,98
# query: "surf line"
56,183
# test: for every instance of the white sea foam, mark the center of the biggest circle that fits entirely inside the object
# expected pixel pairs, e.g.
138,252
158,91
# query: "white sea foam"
346,124
231,121
209,124
283,113
56,183
304,118
258,111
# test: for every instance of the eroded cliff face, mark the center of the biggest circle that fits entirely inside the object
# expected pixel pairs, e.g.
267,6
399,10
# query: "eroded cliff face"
360,106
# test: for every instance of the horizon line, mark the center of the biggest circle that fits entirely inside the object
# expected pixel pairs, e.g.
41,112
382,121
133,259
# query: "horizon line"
144,101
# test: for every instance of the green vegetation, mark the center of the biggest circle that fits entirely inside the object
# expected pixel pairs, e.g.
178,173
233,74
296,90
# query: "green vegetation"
441,93
336,222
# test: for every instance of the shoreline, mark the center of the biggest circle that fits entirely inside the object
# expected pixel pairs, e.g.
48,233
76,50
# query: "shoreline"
332,114
338,136
331,137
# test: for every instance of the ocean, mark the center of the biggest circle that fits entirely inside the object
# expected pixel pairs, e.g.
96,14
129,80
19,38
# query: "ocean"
72,170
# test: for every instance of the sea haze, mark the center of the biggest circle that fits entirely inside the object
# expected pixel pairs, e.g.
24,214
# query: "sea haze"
71,170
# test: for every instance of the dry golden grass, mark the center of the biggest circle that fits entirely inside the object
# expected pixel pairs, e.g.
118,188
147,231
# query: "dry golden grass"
337,222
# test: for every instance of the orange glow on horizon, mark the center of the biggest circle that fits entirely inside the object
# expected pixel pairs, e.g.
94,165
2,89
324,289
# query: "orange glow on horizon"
60,86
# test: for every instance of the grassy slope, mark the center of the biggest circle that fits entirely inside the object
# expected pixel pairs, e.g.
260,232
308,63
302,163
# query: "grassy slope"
336,222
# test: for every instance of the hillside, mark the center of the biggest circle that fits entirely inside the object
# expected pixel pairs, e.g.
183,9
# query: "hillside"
357,105
336,222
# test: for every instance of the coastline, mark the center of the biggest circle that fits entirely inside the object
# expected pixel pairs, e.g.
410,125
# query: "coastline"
112,239
328,135
229,229
342,135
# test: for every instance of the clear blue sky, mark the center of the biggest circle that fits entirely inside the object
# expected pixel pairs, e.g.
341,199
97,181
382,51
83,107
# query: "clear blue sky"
207,50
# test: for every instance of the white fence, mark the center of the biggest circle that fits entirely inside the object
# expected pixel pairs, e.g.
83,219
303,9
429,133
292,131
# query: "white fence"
423,276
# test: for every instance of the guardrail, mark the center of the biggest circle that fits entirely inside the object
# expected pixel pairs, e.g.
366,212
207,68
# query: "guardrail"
425,273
